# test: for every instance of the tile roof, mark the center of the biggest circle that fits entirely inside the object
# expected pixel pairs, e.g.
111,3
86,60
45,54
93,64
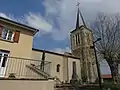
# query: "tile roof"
107,76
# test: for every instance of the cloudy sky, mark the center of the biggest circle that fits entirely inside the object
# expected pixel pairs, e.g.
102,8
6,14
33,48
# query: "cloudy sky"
54,18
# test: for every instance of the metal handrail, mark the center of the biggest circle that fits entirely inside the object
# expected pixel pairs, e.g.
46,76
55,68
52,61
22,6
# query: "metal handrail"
24,58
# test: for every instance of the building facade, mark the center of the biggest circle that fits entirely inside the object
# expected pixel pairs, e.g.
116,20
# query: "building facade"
15,41
61,65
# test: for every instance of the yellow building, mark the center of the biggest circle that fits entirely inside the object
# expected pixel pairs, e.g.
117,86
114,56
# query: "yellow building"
15,41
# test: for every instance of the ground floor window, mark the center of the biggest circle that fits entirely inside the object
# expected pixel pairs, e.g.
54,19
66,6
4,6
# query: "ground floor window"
3,61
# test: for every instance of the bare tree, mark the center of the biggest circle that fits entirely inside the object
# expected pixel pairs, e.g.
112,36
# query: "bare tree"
107,27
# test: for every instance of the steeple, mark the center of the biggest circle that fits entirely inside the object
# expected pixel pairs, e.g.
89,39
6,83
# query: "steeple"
77,21
82,20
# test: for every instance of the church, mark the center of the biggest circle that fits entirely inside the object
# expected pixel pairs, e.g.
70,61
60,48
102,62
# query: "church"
78,65
19,61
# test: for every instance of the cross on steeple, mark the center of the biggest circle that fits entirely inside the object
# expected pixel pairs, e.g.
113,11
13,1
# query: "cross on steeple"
77,21
78,4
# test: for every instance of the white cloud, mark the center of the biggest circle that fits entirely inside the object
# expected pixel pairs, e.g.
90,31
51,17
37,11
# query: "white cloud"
37,21
60,15
61,50
5,16
31,19
91,0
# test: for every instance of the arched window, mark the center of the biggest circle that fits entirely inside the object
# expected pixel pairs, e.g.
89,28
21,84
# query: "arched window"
76,40
79,38
74,67
58,68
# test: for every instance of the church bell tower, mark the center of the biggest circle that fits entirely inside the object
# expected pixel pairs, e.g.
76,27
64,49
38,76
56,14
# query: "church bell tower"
81,41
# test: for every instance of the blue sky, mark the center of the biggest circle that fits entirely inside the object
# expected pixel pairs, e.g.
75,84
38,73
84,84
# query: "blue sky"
20,7
54,18
17,9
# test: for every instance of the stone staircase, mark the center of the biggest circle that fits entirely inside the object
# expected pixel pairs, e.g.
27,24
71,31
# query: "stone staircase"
38,71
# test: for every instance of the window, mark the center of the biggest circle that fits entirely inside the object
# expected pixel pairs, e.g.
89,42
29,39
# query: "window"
3,58
9,34
79,38
74,67
58,68
73,42
76,40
